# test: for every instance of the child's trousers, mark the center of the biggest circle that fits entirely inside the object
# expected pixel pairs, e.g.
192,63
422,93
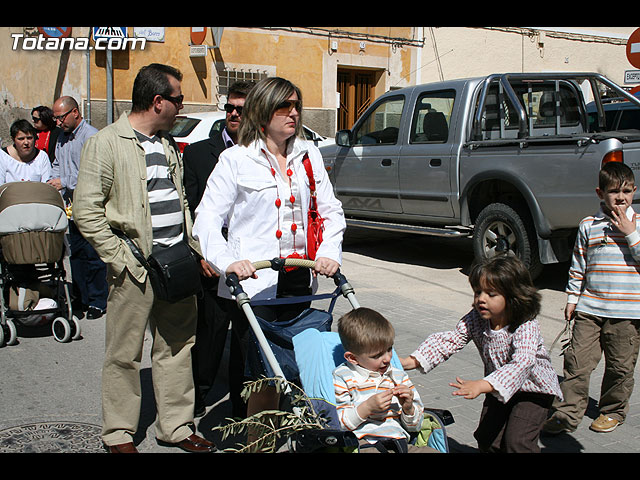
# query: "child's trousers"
619,340
513,427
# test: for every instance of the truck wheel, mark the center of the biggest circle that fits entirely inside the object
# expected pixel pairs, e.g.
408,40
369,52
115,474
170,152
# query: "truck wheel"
499,228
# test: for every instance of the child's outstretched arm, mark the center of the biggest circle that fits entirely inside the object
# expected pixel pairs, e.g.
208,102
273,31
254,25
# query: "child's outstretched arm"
438,347
470,389
409,363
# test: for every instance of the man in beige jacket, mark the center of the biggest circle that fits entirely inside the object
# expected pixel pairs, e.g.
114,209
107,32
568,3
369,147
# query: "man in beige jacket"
118,170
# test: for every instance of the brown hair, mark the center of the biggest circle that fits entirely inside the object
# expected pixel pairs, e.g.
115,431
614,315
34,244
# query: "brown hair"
510,278
261,103
364,330
615,174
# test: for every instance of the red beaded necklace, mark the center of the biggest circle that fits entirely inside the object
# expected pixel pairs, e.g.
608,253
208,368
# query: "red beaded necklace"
278,204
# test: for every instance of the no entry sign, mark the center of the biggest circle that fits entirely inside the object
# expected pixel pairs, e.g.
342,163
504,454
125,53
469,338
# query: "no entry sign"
633,49
55,32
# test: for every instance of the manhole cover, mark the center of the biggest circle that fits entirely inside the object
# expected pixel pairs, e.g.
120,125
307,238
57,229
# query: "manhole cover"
52,437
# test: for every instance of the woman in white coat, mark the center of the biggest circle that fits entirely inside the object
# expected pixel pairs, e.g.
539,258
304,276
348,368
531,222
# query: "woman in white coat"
260,189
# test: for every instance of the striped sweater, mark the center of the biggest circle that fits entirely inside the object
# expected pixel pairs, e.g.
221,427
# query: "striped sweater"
354,384
164,201
604,277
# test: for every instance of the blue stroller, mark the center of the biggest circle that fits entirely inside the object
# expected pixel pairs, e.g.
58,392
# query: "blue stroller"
304,352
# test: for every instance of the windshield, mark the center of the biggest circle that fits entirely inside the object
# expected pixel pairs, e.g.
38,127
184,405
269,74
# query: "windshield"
183,126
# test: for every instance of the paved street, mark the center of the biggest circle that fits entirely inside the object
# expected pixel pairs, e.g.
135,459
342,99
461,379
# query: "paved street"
419,283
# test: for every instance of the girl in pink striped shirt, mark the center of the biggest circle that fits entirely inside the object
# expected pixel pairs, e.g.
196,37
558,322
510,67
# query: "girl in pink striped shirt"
519,381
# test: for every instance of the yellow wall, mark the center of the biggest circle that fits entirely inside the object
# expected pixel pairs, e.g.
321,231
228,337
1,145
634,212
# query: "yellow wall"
293,55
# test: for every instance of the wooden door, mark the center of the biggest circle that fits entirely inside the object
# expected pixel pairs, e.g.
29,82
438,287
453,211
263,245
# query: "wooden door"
356,94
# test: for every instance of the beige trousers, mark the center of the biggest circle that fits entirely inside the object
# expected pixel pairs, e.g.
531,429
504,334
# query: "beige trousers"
131,308
593,336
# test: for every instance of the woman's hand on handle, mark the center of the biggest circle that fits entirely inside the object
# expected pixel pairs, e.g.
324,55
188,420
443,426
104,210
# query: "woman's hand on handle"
325,266
243,269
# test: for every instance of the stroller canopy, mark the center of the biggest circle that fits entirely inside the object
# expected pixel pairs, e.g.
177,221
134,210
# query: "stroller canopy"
31,207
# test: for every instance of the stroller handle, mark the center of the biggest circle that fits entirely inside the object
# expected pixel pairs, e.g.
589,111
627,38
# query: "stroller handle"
233,282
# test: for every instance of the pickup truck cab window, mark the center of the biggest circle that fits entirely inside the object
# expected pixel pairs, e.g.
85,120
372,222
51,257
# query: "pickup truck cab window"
432,117
382,125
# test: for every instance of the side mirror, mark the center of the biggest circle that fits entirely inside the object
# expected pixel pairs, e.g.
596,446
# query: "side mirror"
344,138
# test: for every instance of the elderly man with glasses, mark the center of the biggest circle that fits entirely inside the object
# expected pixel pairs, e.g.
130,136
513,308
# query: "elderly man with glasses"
88,272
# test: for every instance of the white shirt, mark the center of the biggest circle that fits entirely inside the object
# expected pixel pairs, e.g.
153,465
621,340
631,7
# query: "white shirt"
37,170
243,189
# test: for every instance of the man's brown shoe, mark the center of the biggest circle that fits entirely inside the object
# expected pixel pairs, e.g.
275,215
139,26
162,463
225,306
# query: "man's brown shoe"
193,444
122,448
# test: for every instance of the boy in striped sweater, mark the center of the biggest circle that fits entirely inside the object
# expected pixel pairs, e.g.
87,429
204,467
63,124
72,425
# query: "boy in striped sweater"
604,299
374,400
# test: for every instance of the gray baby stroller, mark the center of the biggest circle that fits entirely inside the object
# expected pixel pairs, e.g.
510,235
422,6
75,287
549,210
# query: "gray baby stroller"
303,352
33,290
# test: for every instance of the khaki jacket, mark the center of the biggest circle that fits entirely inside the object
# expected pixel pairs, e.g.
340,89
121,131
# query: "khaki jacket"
112,193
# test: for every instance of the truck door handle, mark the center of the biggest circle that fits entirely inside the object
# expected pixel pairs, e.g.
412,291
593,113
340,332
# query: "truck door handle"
386,162
435,162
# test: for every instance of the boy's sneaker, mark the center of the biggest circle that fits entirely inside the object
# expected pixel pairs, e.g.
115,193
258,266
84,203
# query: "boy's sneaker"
553,426
604,424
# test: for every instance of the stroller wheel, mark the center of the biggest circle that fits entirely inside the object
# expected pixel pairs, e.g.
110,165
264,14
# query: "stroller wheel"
61,329
8,333
75,328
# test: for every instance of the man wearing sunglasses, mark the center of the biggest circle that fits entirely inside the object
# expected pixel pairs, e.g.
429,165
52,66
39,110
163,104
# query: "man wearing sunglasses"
130,180
88,271
199,159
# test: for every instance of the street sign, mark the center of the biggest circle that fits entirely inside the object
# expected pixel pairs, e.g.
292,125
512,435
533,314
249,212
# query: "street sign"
633,48
216,33
632,76
109,32
197,35
55,32
198,50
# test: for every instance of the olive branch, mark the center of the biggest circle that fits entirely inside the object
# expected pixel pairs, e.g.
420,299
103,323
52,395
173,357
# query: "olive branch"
265,428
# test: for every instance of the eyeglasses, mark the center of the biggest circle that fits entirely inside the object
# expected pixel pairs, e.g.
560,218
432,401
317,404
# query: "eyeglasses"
229,108
35,119
285,107
176,100
60,118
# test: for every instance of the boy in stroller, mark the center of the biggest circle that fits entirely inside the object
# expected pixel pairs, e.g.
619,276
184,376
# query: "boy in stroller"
374,399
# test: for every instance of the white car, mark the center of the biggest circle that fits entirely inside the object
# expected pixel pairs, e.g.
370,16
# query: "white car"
192,127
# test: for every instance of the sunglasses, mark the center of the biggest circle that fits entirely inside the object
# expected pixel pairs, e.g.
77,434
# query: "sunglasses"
176,100
229,108
35,119
285,107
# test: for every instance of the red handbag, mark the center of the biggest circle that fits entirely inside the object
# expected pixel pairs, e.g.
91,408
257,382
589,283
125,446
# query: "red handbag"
315,223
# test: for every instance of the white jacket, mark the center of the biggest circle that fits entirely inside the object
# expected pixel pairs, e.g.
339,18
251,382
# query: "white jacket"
242,190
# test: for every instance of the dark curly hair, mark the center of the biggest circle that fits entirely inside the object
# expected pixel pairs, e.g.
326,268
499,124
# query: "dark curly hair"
508,276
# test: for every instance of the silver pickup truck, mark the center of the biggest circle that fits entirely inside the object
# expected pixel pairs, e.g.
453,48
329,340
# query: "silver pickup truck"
511,160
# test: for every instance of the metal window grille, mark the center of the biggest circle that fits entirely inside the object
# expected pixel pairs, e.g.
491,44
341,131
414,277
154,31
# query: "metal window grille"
226,77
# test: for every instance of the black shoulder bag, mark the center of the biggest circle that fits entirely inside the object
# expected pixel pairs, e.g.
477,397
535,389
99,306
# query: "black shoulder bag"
173,271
